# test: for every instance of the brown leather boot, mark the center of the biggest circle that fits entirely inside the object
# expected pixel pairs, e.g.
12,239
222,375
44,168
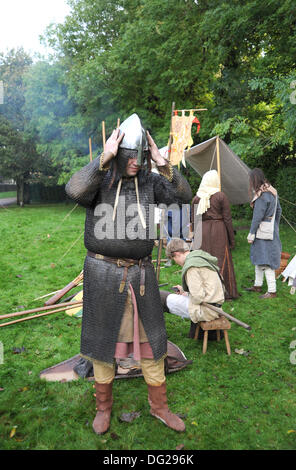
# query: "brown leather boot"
159,408
104,402
253,289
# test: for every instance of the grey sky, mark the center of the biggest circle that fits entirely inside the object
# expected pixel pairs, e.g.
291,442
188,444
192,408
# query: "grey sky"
22,21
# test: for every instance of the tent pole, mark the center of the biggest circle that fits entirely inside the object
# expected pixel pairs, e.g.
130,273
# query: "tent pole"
160,241
218,160
90,149
103,134
171,131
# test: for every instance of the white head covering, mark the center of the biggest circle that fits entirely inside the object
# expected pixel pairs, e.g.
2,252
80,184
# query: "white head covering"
209,185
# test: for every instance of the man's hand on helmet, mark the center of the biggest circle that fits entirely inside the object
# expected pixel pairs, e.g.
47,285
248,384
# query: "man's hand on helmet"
155,153
112,144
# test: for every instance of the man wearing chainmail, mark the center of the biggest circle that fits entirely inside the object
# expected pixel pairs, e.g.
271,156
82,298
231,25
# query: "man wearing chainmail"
122,310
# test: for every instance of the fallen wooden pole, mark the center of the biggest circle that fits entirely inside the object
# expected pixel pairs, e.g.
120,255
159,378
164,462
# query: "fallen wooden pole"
39,309
40,315
230,317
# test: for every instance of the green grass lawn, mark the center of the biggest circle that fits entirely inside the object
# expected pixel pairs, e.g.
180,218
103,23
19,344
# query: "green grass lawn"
229,402
7,194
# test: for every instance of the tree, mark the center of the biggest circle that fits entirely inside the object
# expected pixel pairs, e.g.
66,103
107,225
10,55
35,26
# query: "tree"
59,129
133,55
255,63
18,157
230,57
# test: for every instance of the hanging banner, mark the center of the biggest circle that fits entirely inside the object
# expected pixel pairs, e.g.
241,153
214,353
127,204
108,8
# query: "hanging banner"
181,135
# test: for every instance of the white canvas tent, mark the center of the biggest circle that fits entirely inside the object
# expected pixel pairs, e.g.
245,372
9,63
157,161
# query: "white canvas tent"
290,272
214,154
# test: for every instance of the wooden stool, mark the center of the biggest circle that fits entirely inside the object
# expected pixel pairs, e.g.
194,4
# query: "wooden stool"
219,324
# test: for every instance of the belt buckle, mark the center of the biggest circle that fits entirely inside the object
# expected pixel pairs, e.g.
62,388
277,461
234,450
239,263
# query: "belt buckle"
119,265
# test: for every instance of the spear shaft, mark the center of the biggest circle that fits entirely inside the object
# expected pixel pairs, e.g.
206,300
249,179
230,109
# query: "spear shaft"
37,316
230,317
39,309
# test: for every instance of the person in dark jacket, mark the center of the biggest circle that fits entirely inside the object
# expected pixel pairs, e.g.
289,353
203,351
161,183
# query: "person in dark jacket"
122,311
265,254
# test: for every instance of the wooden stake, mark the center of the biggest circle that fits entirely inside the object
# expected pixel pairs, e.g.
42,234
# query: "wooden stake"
103,134
160,243
39,309
171,131
218,160
90,149
37,316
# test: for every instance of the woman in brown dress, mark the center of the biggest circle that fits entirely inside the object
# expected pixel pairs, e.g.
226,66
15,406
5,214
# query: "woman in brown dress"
217,231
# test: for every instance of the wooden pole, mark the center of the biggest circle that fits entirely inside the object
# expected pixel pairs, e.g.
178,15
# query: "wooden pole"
39,309
171,131
103,134
160,243
218,160
37,316
224,314
90,149
195,110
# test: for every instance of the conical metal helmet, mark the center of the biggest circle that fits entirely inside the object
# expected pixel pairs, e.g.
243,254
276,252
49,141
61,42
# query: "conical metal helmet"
135,137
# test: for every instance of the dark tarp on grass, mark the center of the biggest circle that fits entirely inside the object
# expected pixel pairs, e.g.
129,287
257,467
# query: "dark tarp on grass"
77,366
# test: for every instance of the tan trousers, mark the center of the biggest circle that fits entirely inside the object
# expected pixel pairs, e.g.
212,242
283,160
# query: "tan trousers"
153,372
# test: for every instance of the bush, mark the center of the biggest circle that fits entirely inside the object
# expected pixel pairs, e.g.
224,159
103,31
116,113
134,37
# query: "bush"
285,185
241,211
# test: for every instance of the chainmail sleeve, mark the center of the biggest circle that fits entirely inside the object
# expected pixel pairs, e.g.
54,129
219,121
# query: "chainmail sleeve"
84,185
171,187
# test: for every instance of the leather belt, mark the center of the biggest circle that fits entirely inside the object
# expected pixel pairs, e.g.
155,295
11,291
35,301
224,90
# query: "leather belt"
212,218
126,263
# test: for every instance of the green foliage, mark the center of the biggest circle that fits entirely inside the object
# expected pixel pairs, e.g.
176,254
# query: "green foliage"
285,185
241,211
191,176
58,129
139,56
19,158
116,58
17,153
